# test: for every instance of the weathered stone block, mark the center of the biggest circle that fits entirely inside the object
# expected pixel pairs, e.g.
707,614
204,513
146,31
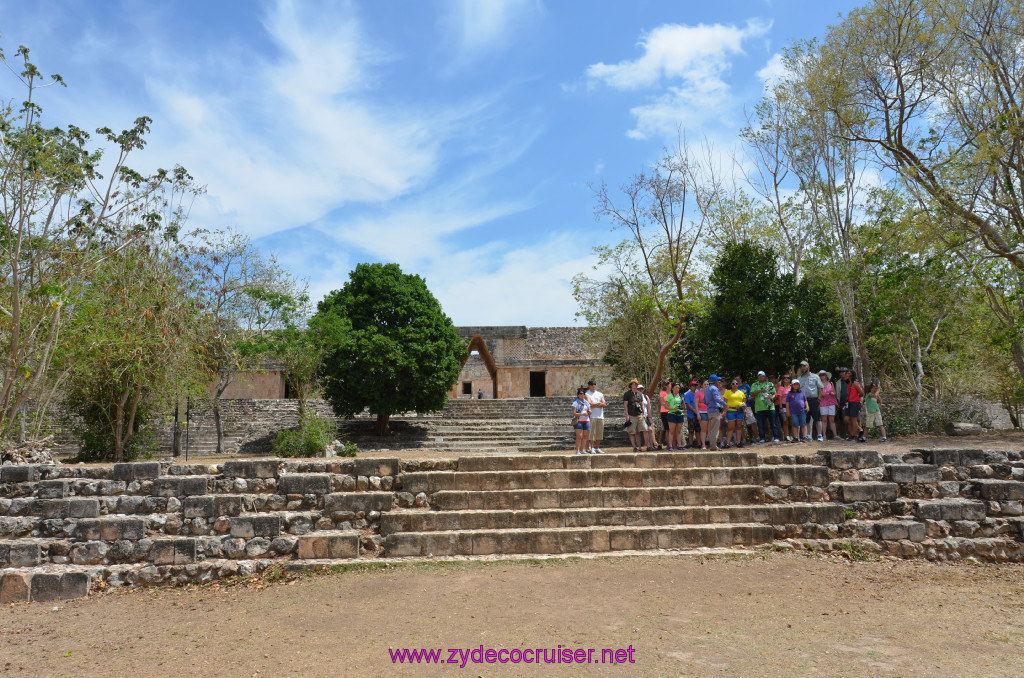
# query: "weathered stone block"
15,587
111,529
258,468
1000,490
53,489
197,507
359,501
84,508
135,471
402,544
375,467
853,492
89,552
45,587
74,585
173,551
844,459
304,483
180,486
24,554
247,527
18,474
327,545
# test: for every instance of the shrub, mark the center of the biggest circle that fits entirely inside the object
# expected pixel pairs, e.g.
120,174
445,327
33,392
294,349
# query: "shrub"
309,439
87,423
933,415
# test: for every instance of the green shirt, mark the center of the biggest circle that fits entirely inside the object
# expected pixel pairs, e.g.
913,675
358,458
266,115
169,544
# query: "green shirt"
763,395
674,403
871,404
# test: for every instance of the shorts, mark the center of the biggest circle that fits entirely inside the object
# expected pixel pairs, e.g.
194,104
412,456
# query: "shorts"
828,410
636,425
798,419
872,419
582,426
703,416
675,418
596,429
733,415
852,410
693,425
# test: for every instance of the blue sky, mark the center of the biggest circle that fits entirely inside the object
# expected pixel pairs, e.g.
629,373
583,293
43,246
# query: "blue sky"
456,138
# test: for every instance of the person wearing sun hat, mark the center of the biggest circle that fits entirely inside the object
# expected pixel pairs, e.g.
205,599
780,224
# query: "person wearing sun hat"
810,386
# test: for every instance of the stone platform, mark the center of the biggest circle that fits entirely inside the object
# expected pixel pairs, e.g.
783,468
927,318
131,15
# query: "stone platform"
67,529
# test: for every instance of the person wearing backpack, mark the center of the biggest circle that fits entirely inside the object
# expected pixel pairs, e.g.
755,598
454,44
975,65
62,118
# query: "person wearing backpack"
636,426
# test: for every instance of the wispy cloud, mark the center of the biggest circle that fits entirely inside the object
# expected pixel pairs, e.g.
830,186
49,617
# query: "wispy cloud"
774,70
477,26
687,65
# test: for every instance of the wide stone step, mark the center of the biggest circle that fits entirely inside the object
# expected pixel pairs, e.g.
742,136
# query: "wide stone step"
328,544
64,584
574,539
597,497
597,461
783,476
770,514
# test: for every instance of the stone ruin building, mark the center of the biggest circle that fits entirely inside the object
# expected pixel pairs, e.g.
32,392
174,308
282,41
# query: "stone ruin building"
515,361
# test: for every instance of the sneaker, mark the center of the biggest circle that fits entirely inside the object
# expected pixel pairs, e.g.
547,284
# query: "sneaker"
862,439
776,440
581,451
789,439
761,442
598,450
703,447
821,439
885,439
670,449
739,445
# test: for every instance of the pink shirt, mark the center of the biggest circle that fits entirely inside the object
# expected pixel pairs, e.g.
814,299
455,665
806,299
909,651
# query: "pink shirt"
828,396
701,407
663,397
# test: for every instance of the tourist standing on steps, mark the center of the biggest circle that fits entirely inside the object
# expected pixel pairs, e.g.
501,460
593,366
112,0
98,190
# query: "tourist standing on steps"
873,411
762,392
735,414
649,433
666,391
782,391
749,419
796,404
841,393
854,396
597,405
811,386
693,426
828,403
633,402
716,405
675,418
581,419
702,409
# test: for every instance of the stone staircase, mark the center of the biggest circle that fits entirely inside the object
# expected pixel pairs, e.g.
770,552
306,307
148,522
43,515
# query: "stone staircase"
67,529
591,503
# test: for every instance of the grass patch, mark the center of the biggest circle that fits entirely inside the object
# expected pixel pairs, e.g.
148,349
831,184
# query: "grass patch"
856,551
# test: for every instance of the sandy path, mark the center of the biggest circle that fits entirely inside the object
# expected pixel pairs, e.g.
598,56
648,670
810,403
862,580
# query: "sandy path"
768,615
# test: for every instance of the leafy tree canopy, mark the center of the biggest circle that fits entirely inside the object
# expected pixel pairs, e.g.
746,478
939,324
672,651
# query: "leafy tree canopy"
388,345
759,319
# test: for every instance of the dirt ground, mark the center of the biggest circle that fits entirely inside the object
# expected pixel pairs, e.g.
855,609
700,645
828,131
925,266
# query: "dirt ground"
770,614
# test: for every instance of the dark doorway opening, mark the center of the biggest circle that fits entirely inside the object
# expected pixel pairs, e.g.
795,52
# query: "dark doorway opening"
537,389
467,388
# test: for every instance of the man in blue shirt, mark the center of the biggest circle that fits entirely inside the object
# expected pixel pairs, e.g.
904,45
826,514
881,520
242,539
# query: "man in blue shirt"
692,416
716,405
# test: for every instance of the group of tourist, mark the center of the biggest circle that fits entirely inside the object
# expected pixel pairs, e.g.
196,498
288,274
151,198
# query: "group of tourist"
720,416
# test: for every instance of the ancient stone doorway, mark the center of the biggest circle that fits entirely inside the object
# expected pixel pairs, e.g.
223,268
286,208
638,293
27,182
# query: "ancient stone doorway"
537,386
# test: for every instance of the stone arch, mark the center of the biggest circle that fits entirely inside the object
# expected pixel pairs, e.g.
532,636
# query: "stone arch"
477,343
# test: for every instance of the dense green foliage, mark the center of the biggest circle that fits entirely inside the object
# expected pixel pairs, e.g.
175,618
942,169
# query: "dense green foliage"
759,318
388,346
313,434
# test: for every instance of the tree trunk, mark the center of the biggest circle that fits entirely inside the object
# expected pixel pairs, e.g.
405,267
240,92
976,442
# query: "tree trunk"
222,384
382,425
854,331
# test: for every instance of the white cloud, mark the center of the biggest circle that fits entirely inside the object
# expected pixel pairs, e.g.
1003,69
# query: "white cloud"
487,25
774,70
695,57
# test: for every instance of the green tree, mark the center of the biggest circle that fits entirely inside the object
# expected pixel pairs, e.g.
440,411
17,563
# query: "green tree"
759,319
934,88
388,345
136,341
60,217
